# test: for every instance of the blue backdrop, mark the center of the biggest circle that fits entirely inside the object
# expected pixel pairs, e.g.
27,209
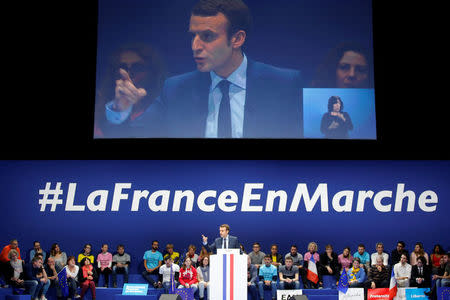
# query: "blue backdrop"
23,183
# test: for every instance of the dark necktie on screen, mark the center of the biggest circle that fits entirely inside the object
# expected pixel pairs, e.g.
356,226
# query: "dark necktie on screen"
224,243
224,124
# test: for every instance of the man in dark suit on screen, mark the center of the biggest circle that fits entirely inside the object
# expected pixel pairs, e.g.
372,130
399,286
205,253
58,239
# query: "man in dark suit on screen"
228,96
225,241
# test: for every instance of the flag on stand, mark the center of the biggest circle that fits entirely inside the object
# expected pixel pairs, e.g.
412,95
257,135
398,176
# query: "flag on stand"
172,281
312,274
343,282
392,286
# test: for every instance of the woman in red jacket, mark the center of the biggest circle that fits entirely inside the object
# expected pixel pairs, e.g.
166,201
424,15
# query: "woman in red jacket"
87,275
188,276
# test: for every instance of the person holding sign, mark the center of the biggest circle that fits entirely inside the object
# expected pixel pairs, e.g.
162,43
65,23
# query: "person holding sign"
225,241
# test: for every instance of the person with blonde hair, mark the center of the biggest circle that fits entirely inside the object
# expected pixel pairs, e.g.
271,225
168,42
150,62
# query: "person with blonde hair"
312,253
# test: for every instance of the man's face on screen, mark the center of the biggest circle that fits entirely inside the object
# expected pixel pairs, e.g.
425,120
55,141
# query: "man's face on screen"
211,46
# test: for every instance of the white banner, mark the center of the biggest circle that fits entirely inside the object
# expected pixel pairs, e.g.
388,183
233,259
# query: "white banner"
288,294
352,294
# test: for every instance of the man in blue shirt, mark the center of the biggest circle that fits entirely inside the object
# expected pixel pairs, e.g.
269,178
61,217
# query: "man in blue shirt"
363,256
152,261
267,277
37,249
229,96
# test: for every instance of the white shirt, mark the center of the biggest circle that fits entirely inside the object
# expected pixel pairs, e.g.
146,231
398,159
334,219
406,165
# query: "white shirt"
402,271
238,80
165,271
223,242
72,274
385,257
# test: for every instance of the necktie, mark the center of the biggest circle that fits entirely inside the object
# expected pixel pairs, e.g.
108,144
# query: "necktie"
224,243
420,271
224,124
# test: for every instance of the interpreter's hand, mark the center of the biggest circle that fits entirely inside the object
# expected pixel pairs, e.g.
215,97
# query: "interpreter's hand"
126,93
205,239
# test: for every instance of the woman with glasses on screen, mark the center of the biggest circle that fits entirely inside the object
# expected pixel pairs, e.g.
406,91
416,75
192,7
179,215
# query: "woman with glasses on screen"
144,67
336,123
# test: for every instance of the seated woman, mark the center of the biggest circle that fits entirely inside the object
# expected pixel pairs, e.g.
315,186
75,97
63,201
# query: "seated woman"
203,276
345,259
72,276
14,270
418,251
59,256
420,274
87,276
192,255
104,261
329,263
188,276
356,275
203,253
435,257
312,252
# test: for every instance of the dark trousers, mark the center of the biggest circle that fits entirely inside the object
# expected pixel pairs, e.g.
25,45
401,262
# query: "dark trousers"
105,272
72,283
147,276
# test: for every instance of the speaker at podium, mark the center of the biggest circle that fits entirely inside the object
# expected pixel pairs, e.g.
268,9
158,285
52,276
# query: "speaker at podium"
228,276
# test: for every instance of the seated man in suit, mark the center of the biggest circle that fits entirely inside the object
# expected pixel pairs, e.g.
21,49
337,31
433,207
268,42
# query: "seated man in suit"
228,96
225,241
420,274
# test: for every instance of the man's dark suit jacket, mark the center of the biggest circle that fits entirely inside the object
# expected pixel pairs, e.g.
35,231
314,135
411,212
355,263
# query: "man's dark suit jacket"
426,275
273,105
233,243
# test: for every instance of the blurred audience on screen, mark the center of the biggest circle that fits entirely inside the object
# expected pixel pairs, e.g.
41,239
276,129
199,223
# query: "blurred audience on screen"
345,66
147,71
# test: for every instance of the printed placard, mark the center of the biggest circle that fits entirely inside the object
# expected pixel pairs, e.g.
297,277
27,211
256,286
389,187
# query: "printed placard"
135,289
288,294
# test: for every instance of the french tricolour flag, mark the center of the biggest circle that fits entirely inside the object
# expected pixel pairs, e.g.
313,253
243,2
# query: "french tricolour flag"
312,274
392,286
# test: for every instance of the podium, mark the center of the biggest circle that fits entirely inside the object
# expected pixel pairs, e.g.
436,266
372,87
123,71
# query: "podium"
228,275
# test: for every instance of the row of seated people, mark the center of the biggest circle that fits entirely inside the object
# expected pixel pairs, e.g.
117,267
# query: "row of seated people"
329,263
